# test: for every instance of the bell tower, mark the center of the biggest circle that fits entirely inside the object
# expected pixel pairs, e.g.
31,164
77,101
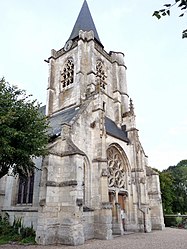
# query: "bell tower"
82,68
69,66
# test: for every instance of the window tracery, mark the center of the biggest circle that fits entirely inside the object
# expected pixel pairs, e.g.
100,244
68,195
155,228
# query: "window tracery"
116,171
100,74
67,74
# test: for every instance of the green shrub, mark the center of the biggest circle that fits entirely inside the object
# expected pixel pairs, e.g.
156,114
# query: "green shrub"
27,232
15,232
5,227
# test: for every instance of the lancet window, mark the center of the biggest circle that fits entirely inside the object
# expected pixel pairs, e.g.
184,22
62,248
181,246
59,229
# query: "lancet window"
101,74
116,169
25,190
67,74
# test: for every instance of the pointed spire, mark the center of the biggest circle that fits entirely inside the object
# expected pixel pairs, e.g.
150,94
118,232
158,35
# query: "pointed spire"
84,22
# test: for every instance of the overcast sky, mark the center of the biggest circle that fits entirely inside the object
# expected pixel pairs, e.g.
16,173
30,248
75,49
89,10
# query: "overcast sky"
156,58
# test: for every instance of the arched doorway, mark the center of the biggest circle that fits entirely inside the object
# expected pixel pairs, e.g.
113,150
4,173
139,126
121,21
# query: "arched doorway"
118,170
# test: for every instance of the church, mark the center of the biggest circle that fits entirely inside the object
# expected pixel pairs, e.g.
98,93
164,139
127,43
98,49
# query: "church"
95,182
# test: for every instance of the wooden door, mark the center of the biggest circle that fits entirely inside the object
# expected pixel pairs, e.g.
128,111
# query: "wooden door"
121,201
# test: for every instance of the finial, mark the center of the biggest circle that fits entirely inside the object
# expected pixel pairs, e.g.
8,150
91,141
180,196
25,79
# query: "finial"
131,107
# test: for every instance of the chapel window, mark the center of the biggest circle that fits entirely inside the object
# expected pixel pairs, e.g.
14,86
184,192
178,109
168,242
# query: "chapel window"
67,73
116,171
25,190
100,74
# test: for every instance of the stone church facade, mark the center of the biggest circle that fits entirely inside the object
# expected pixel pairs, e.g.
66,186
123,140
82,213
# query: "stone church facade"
95,182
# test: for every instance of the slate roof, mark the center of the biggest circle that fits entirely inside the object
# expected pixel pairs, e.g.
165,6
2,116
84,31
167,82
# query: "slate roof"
113,130
59,118
84,22
65,116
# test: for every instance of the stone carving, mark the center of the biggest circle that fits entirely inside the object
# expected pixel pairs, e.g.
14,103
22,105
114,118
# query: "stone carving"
62,184
106,205
116,172
142,180
100,74
87,209
68,73
93,124
79,202
104,172
42,202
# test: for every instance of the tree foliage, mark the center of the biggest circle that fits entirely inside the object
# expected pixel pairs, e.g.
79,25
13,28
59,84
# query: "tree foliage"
173,183
166,11
179,173
22,131
166,185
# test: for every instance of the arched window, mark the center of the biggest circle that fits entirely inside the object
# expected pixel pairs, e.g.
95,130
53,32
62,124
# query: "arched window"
25,190
117,176
67,73
100,74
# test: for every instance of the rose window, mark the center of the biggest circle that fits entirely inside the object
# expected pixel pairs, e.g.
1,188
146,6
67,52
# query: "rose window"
116,172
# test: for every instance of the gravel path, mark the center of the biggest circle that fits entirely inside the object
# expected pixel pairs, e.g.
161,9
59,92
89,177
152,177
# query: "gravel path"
169,238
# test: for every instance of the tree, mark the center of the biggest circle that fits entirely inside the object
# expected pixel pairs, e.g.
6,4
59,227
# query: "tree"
22,131
179,173
173,183
166,186
182,163
181,4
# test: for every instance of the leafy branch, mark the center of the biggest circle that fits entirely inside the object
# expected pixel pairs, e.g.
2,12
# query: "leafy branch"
23,131
182,4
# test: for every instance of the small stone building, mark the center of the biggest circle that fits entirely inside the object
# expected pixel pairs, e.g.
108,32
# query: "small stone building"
95,182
